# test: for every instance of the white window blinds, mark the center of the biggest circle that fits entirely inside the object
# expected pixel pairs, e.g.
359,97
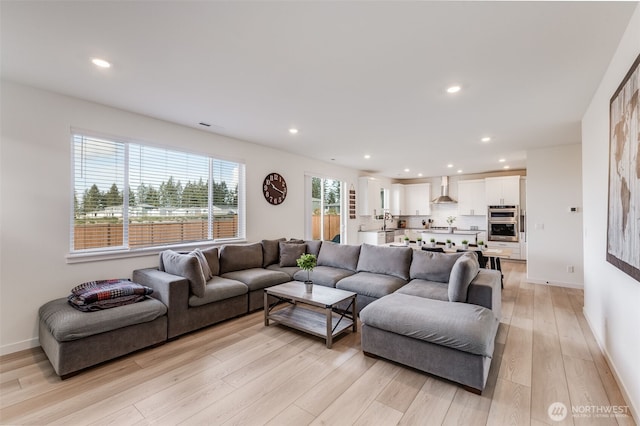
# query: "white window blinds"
129,195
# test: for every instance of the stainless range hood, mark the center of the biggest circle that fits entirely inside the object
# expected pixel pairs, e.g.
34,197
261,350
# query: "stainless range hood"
444,193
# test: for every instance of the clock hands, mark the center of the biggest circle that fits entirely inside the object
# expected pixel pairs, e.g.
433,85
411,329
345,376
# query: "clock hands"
279,190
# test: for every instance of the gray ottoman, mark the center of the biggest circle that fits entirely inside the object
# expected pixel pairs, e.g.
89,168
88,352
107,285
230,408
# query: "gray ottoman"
448,339
74,340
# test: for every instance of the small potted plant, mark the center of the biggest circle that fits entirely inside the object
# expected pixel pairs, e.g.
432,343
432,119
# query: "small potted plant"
448,243
307,262
419,241
465,244
406,240
450,221
481,245
433,242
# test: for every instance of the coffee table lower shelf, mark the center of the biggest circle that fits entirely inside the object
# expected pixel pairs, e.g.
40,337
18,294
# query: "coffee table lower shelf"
312,322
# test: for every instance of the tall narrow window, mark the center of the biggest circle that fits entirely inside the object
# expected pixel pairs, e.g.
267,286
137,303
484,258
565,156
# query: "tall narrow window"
326,209
129,196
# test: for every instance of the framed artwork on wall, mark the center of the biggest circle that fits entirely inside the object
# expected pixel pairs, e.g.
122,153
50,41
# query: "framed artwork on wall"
623,220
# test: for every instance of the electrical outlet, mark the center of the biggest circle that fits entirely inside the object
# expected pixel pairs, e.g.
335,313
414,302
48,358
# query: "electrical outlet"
570,268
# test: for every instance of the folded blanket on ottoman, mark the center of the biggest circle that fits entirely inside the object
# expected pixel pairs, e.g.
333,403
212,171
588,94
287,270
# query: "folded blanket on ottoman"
105,294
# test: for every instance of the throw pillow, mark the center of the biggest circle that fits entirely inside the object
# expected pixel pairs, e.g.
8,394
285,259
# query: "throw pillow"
204,264
289,253
187,266
463,272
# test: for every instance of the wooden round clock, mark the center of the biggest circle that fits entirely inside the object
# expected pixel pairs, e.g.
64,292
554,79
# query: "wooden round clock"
274,188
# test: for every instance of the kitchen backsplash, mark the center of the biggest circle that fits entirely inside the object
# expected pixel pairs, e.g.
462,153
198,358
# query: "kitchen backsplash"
439,215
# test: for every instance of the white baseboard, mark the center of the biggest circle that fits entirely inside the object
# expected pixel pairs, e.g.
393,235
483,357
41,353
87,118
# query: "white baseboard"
555,283
19,346
634,410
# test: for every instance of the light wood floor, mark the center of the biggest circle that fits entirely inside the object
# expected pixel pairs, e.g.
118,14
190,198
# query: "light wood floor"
240,372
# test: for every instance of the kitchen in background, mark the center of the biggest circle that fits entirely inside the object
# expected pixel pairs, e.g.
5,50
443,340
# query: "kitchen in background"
476,193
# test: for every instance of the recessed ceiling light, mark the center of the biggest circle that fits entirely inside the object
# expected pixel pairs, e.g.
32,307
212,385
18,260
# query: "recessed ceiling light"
486,139
505,167
367,156
407,170
449,165
453,89
100,63
419,174
502,160
459,170
293,131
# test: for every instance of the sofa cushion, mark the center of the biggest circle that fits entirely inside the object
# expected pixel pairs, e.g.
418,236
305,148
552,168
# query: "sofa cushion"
385,260
236,257
270,251
289,253
217,289
432,266
289,270
463,272
258,278
185,265
339,256
462,326
371,284
428,289
66,323
313,246
324,275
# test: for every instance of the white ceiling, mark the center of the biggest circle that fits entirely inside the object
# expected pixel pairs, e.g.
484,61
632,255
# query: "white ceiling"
355,77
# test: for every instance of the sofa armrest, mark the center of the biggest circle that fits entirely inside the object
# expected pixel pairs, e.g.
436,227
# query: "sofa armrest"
485,290
172,290
169,289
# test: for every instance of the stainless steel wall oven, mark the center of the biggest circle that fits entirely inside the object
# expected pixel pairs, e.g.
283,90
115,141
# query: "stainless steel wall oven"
503,223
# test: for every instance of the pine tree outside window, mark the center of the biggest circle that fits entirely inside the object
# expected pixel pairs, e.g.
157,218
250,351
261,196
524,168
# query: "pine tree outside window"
129,196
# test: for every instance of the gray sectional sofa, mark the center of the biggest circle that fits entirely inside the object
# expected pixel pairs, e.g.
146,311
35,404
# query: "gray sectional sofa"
432,311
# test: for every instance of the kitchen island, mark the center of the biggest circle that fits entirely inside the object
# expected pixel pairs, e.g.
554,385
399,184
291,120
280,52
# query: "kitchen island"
456,237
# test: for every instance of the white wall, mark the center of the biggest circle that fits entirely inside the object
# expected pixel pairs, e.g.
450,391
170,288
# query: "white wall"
611,297
554,235
35,196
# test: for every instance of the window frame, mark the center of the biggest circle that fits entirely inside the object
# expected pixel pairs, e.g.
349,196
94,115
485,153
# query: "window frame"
125,251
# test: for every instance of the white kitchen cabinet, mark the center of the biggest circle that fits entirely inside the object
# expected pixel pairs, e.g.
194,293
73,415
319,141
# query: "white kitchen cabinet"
369,200
397,200
417,198
514,247
371,237
472,198
503,190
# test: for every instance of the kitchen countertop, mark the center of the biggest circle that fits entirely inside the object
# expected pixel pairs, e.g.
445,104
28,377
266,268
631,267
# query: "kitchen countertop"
431,231
455,232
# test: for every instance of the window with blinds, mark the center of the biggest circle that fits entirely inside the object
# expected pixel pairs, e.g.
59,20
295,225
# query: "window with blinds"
128,195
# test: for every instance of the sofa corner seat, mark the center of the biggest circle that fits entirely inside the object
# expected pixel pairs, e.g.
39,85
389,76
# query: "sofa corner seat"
448,339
